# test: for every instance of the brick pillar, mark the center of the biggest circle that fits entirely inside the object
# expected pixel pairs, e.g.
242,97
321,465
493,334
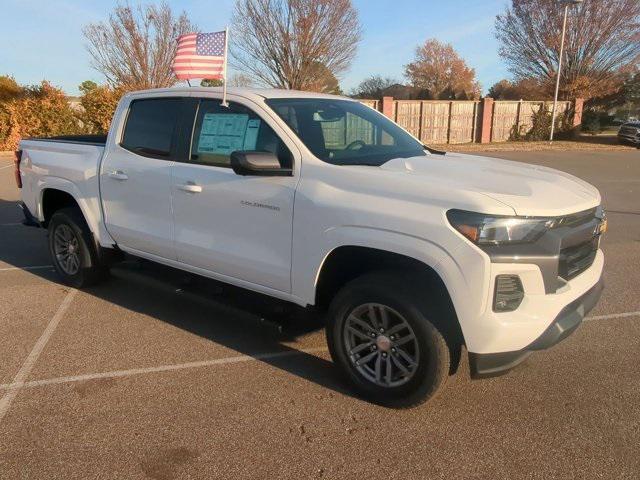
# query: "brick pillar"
577,111
486,117
387,107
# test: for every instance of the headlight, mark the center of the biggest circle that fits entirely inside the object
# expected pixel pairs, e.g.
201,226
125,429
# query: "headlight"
485,229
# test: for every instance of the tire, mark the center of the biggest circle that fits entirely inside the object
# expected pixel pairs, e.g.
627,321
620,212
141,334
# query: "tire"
68,227
399,298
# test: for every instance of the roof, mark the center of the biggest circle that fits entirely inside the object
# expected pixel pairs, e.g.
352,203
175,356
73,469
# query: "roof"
242,92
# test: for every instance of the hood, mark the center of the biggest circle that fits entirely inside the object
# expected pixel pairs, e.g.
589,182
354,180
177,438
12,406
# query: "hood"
530,190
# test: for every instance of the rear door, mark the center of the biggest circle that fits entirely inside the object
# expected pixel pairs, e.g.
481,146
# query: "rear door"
135,178
234,226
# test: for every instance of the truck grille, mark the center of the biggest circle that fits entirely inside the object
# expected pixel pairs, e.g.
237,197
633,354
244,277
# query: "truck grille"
575,260
577,219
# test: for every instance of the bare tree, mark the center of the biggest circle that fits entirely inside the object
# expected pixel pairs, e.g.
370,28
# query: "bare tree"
240,80
439,69
134,49
281,42
603,39
373,87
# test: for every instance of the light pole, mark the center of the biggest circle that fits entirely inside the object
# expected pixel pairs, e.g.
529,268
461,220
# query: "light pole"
567,3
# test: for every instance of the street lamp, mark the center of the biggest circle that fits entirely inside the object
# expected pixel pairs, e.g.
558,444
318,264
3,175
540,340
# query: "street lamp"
567,4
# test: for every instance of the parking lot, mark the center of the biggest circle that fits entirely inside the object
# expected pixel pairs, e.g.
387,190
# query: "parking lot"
157,375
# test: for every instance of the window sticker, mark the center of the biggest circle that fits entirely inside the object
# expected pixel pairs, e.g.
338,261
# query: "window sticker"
251,137
223,133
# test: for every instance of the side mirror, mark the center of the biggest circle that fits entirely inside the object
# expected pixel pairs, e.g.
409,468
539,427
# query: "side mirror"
263,164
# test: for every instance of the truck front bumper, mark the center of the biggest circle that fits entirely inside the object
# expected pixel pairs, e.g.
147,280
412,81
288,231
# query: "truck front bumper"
483,365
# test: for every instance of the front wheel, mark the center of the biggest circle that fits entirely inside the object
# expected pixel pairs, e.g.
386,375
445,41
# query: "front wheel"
72,249
380,336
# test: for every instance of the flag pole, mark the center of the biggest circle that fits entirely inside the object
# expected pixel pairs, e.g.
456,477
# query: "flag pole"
224,73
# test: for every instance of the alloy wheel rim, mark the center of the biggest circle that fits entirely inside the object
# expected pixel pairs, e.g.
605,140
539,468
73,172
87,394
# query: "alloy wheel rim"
381,345
66,249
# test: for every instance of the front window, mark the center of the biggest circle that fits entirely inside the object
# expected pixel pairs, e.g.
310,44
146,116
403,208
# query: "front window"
344,132
219,131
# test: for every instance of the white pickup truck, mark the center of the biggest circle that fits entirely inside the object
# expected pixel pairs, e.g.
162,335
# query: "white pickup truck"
321,201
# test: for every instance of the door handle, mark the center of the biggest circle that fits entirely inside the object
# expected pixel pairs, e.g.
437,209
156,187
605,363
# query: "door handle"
190,187
118,175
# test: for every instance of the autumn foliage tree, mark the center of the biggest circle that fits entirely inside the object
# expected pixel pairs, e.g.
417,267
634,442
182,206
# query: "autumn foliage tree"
602,41
38,110
98,104
135,48
525,89
294,44
439,69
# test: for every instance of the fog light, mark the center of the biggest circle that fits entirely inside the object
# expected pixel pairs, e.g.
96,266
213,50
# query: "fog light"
508,293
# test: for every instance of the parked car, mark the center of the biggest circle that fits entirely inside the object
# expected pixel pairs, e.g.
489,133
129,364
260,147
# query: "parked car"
409,253
629,133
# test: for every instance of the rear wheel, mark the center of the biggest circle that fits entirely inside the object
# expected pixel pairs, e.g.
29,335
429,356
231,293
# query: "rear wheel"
72,249
381,337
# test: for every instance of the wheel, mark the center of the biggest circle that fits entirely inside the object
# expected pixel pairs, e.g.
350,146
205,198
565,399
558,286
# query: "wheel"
72,249
380,337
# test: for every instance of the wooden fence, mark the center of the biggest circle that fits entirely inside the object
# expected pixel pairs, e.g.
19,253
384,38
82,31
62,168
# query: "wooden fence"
459,121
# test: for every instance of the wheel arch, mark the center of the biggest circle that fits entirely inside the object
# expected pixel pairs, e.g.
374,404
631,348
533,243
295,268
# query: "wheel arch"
56,193
54,199
348,262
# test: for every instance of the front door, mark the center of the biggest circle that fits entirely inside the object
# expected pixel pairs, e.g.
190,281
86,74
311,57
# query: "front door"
235,226
135,178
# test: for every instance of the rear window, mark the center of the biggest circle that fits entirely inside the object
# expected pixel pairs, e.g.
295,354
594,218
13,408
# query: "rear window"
150,126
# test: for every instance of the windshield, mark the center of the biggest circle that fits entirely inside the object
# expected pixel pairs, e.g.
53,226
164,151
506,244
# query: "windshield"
344,132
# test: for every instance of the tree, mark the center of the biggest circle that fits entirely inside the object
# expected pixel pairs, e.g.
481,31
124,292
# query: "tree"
240,80
602,41
135,48
439,69
98,103
323,81
38,110
281,43
525,89
373,87
9,88
211,82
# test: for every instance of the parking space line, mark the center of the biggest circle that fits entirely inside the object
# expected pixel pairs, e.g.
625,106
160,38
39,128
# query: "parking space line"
6,166
614,315
17,385
32,358
36,267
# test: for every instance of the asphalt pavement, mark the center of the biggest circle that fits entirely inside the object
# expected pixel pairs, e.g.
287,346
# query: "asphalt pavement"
155,374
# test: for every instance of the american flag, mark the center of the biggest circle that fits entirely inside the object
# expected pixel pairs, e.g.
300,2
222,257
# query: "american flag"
200,55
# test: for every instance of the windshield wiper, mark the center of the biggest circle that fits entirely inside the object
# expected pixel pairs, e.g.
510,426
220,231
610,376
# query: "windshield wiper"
434,151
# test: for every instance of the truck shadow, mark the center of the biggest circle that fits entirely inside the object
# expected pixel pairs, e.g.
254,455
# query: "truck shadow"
249,323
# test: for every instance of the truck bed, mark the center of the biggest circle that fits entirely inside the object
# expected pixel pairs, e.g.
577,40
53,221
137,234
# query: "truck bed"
69,163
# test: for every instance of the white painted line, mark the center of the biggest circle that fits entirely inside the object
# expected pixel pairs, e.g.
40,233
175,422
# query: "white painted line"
17,385
6,166
32,358
614,315
36,267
